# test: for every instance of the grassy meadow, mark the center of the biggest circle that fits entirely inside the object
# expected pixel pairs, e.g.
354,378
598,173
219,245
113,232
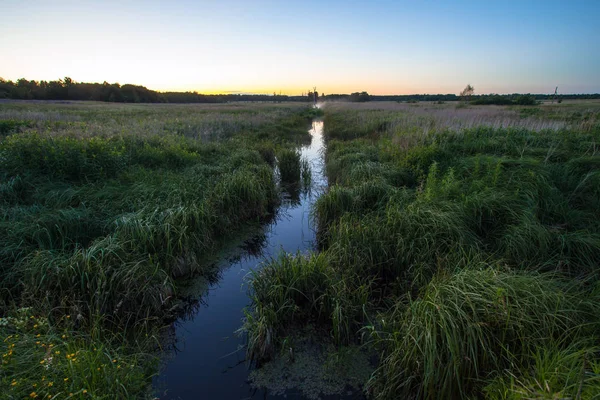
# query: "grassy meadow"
459,243
104,208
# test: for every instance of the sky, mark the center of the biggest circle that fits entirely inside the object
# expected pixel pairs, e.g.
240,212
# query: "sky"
261,46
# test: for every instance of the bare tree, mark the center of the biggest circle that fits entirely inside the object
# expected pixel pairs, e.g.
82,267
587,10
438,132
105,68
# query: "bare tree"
467,92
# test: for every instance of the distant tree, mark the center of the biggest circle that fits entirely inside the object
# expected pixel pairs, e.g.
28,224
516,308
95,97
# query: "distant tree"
525,100
6,89
467,92
68,84
359,97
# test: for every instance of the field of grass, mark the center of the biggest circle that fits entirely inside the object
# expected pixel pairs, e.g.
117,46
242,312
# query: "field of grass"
104,207
460,243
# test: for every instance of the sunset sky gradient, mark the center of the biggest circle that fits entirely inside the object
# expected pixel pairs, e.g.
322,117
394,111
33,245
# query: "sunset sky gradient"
383,47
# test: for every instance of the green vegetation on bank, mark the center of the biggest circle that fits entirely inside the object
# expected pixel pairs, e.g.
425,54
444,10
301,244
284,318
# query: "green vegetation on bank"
102,209
466,255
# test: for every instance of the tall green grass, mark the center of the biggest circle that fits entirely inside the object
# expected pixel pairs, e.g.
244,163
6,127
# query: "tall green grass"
288,161
46,358
101,215
291,289
566,370
472,323
468,256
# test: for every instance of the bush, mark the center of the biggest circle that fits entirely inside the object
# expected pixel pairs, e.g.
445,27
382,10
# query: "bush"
525,100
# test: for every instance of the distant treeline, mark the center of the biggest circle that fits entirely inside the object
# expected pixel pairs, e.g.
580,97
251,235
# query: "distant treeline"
68,89
482,99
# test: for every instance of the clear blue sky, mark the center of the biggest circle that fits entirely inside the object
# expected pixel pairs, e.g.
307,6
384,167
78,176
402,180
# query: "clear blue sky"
383,47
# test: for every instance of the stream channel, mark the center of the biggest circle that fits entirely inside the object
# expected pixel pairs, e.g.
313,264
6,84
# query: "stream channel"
208,359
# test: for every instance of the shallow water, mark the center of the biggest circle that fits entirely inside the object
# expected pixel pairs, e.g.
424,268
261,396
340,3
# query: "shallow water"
209,360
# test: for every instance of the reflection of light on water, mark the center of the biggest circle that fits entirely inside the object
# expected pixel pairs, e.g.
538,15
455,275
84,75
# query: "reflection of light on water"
314,154
199,336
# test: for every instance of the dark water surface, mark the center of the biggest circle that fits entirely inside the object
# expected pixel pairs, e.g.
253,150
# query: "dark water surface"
209,360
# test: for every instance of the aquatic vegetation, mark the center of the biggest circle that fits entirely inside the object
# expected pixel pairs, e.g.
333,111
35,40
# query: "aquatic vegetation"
288,162
305,172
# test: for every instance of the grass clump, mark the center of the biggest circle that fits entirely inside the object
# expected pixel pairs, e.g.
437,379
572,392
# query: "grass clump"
293,289
570,370
472,323
289,163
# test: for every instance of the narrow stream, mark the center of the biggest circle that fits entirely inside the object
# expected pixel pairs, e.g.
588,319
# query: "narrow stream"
209,360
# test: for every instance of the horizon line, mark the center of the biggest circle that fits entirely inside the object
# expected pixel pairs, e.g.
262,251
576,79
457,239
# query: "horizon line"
274,93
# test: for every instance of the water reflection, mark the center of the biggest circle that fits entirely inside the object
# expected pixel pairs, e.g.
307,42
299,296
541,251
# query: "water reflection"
208,359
